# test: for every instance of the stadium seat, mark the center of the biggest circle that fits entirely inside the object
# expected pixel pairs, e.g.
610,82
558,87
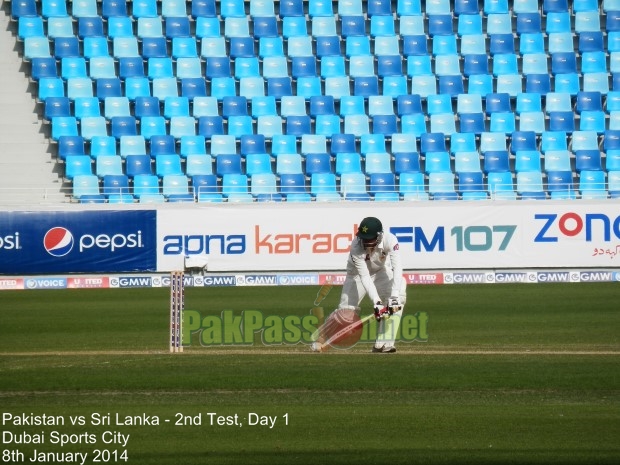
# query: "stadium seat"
588,160
437,162
318,163
466,162
343,143
496,161
471,186
500,186
348,162
228,164
560,184
76,165
70,145
136,165
288,163
87,185
116,184
529,185
527,160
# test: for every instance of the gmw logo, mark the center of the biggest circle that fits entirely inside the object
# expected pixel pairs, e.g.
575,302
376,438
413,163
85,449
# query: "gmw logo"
59,241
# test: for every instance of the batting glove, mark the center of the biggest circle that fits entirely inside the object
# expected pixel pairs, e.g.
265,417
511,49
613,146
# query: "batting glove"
394,305
381,311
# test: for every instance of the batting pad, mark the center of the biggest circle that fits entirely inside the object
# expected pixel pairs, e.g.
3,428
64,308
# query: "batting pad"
388,329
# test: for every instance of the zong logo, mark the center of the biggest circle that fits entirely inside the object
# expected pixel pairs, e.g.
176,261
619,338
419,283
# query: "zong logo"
58,242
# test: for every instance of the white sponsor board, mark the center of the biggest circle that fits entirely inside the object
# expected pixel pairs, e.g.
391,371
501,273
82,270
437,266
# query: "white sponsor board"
432,235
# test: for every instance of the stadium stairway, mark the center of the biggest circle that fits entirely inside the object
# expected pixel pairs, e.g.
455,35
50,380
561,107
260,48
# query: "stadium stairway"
27,169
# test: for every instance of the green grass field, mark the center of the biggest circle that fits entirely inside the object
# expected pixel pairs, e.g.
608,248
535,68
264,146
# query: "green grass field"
514,374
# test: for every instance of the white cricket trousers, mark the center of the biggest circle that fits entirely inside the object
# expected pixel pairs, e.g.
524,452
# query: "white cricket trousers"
353,293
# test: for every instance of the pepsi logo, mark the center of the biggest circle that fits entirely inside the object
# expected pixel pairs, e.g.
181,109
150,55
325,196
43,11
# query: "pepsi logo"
58,241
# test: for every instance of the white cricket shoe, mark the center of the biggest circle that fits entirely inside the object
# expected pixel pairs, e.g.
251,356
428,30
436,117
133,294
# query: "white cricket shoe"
383,349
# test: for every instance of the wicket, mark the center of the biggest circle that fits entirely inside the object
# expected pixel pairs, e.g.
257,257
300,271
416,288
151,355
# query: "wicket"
177,304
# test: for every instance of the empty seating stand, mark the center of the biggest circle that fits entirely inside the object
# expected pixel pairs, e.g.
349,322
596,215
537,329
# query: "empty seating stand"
365,100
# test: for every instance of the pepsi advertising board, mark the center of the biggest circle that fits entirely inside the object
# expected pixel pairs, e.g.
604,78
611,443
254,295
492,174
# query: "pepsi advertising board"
39,242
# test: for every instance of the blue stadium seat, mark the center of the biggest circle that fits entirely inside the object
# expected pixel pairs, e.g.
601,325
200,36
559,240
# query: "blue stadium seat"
144,9
406,162
207,27
241,47
471,186
206,188
343,143
59,27
379,7
560,184
57,106
129,145
93,126
115,184
411,186
298,125
437,162
232,8
413,124
496,161
527,160
530,185
327,125
463,142
441,186
562,121
107,165
116,106
108,87
21,8
162,145
466,162
348,162
473,44
70,145
86,188
469,25
353,186
372,143
432,142
323,187
269,125
553,140
119,26
291,8
64,126
588,160
148,190
85,107
557,160
154,47
258,163
500,186
377,162
36,47
288,163
318,163
439,24
313,143
592,184
76,165
382,186
293,183
136,165
528,22
262,8
558,101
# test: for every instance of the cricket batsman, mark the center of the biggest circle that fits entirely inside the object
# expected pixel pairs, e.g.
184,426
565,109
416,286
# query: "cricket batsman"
374,268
